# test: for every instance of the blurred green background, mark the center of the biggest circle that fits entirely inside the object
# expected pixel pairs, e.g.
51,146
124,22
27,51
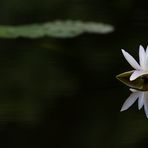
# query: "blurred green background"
62,92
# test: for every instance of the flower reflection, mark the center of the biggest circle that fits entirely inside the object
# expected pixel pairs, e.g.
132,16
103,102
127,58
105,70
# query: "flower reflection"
142,97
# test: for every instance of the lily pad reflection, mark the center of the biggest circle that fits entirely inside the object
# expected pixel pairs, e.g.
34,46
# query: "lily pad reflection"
140,83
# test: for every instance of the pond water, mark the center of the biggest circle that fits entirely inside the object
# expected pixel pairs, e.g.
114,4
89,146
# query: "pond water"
64,92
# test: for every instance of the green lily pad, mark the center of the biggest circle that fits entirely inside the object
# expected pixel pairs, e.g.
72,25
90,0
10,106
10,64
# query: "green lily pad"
141,83
58,29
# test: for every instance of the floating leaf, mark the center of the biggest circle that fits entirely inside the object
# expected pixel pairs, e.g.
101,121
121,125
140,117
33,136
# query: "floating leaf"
140,83
61,29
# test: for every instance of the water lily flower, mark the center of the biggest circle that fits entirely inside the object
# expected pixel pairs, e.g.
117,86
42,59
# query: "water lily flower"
142,97
140,69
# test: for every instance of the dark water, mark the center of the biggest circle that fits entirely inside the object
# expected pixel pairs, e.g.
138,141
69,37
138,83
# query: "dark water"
63,92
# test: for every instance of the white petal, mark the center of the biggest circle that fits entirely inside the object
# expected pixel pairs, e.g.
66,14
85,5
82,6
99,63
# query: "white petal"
136,74
147,50
131,60
141,100
146,60
133,90
142,56
130,101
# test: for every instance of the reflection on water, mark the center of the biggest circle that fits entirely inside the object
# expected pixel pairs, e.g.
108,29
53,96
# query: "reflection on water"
137,80
142,97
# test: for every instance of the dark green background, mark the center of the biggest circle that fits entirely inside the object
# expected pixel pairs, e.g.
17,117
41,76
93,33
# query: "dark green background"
63,92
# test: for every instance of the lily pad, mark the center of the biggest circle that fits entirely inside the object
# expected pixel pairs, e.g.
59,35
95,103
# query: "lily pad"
141,83
58,29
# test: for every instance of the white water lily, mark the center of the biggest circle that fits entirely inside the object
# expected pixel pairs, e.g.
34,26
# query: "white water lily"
140,69
142,97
